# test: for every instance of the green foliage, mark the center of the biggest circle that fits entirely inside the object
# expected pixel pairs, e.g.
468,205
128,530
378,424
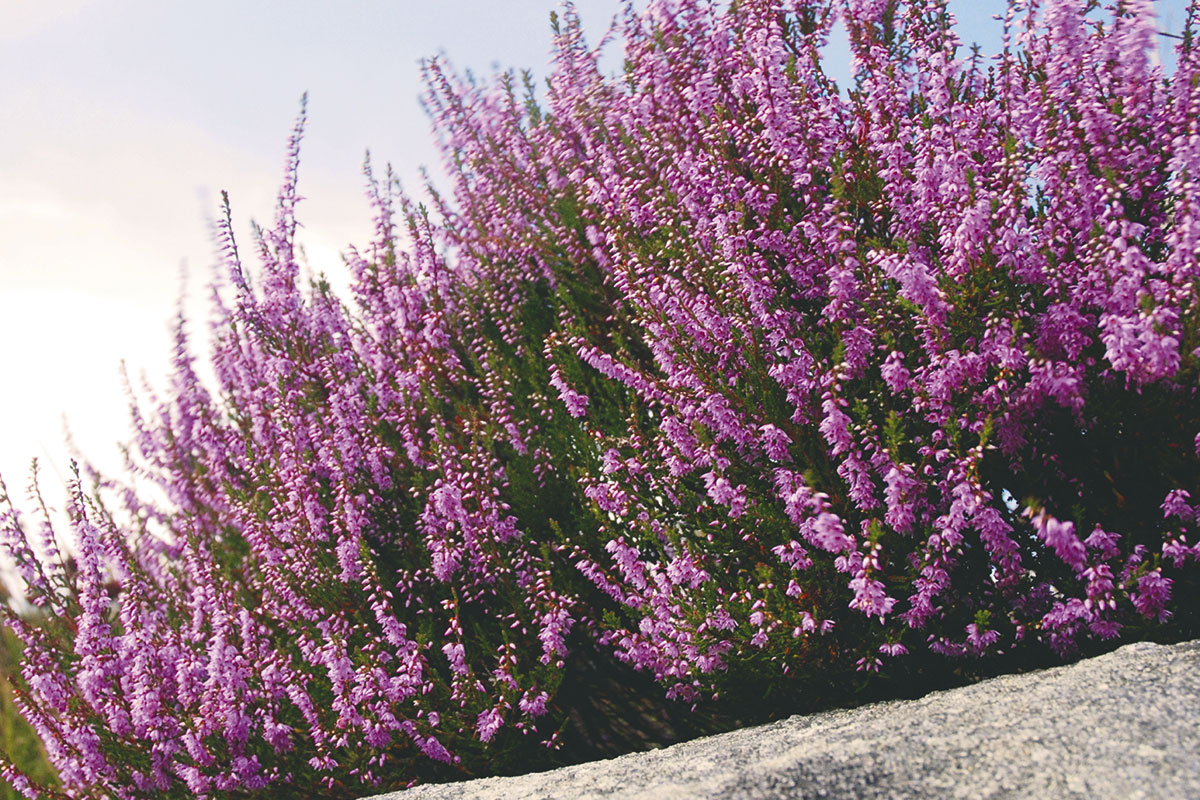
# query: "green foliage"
17,738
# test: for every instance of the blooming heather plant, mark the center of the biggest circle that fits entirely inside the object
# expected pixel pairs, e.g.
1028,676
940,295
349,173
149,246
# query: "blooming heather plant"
749,381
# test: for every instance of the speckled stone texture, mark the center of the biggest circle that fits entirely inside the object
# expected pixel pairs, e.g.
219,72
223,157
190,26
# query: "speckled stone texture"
1123,725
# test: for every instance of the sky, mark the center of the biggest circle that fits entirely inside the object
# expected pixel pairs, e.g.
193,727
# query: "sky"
123,120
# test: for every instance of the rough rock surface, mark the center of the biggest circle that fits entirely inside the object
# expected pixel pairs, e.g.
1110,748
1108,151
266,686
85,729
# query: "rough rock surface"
1123,725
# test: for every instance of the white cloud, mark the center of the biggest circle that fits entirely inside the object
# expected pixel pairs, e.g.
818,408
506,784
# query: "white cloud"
22,18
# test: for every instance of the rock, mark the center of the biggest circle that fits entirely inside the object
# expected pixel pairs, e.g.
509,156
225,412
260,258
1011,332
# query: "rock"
1123,725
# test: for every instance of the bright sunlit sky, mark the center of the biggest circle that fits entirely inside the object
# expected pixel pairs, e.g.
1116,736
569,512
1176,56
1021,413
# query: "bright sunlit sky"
124,119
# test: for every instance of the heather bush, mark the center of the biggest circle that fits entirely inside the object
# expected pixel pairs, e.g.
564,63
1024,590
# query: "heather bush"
759,386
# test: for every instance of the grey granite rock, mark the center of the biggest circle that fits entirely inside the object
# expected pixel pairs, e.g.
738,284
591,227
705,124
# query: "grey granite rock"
1123,725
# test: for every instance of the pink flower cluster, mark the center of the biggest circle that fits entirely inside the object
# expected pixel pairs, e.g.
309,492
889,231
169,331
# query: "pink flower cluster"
715,365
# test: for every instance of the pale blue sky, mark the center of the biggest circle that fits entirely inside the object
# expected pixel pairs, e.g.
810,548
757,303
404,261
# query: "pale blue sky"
123,120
